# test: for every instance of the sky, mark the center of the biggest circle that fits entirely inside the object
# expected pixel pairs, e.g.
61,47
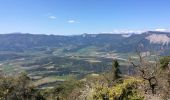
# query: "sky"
67,17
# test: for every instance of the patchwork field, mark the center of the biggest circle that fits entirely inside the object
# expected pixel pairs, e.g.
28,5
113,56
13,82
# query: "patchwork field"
49,69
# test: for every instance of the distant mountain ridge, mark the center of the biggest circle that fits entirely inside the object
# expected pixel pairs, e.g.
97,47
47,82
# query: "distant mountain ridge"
103,42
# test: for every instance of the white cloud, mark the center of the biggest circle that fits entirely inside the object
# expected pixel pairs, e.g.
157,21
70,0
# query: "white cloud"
161,29
52,17
71,21
128,31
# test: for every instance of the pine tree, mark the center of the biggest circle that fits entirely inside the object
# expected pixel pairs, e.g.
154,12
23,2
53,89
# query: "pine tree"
115,70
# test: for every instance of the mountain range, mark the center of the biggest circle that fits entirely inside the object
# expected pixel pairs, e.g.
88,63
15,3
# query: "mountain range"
20,42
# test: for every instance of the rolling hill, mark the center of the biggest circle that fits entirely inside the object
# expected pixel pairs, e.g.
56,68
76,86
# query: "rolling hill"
19,42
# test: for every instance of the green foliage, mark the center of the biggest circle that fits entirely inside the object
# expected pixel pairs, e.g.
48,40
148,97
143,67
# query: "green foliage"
164,61
112,74
63,91
18,88
127,90
115,69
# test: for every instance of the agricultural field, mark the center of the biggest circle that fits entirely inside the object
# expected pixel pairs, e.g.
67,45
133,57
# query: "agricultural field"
48,69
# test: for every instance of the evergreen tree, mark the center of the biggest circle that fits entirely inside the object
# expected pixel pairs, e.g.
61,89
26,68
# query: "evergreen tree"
115,70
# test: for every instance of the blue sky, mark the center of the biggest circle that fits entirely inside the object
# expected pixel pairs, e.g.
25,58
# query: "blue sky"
83,16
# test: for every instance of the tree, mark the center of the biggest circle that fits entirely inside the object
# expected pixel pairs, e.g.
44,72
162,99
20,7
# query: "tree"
18,88
115,70
113,75
165,66
147,65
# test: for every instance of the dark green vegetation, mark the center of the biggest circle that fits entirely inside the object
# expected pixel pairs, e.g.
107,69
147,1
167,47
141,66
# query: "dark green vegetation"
164,62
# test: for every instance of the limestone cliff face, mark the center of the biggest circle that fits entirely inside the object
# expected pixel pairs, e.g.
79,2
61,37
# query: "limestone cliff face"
158,39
